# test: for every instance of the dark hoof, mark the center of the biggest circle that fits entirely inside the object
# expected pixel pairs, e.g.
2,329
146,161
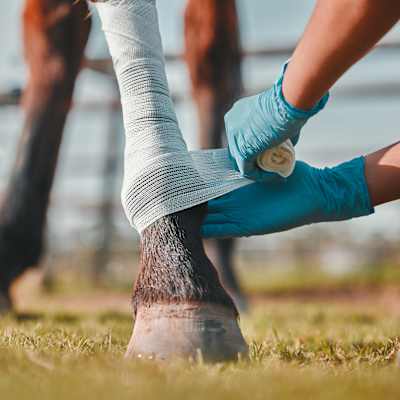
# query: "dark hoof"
190,331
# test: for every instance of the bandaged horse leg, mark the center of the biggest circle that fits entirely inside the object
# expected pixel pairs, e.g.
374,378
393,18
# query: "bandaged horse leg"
55,34
180,305
212,53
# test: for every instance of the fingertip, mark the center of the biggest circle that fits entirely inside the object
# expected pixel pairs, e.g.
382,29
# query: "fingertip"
204,232
209,231
221,231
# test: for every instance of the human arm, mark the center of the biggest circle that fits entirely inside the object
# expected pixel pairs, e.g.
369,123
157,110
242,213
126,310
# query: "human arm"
339,33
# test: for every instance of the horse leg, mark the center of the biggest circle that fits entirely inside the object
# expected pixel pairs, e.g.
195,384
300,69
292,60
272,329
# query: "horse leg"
213,58
181,308
55,35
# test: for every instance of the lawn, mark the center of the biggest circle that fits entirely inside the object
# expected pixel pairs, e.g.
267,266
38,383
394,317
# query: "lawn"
299,350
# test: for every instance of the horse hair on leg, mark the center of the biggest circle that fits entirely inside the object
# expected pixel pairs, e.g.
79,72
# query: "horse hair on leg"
175,268
180,305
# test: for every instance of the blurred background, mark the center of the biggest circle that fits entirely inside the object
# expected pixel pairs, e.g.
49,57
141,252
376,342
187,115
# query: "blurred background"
86,225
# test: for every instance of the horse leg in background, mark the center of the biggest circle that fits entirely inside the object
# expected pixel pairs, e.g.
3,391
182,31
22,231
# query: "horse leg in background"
55,35
212,50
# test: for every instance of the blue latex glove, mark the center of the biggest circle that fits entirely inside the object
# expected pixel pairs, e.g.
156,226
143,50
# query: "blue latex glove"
257,123
309,195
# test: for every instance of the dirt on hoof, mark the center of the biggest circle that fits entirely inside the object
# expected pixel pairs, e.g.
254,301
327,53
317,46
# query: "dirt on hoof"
198,332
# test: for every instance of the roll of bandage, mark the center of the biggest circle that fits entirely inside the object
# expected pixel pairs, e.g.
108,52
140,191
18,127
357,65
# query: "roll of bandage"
280,159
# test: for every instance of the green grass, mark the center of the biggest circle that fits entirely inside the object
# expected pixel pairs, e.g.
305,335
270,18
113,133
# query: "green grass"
298,351
259,279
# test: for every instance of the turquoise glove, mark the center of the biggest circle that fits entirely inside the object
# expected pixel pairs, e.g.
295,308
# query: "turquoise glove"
257,123
309,195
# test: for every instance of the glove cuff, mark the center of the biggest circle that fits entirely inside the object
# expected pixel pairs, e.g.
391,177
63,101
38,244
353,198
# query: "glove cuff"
291,111
347,185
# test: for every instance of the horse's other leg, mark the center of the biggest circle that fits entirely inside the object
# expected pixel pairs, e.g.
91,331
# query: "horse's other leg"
55,35
180,306
213,58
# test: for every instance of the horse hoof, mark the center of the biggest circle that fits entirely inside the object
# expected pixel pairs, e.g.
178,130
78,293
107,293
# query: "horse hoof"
203,332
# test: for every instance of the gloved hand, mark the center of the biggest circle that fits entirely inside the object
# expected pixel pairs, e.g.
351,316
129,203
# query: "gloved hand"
308,195
255,124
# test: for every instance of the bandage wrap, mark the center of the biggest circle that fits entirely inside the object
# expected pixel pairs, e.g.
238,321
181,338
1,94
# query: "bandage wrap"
161,176
280,159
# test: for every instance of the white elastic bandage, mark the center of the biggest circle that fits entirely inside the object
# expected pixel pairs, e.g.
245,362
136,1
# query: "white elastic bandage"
161,176
280,159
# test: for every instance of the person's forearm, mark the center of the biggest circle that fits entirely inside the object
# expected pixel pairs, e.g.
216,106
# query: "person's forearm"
382,172
339,33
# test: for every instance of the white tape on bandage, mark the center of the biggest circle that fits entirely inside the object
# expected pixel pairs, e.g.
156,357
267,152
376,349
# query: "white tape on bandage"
161,176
